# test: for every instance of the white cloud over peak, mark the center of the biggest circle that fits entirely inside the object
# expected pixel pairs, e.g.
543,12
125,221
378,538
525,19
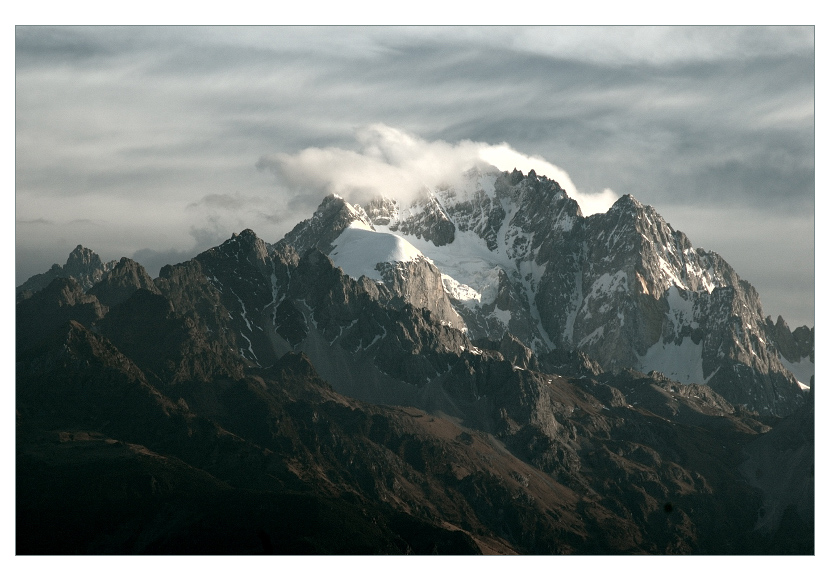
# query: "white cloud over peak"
391,162
505,157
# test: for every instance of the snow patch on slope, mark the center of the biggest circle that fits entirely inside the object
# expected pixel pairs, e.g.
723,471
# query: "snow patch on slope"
359,249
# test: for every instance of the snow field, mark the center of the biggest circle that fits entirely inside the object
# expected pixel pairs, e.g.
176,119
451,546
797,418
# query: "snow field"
358,250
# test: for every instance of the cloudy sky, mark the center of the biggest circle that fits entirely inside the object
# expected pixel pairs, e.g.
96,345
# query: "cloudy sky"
157,143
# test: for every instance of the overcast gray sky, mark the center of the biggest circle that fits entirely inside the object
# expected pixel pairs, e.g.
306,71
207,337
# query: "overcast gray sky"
157,143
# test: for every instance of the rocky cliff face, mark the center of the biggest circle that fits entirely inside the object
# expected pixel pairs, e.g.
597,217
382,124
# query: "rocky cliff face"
329,220
642,297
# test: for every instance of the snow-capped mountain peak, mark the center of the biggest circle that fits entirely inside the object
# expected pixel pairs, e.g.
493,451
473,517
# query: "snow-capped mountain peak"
333,215
516,256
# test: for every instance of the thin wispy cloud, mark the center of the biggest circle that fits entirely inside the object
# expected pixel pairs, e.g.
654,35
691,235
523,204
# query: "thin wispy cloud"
226,201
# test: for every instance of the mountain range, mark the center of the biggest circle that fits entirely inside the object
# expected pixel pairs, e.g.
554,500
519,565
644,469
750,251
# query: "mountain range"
481,370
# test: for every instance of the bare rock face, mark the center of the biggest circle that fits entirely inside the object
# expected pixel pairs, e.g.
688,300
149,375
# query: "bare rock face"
418,283
119,283
168,346
572,363
429,222
329,220
517,353
227,289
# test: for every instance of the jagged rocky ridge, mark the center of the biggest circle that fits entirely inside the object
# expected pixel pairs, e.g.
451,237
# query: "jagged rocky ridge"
189,387
516,255
83,265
